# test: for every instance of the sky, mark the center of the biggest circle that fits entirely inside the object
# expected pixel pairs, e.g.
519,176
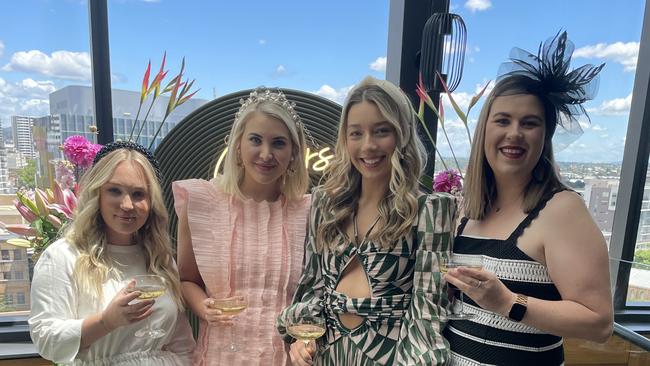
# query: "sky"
323,47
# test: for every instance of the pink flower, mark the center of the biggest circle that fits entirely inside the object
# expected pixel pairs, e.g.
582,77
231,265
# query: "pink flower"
448,181
25,211
64,171
80,151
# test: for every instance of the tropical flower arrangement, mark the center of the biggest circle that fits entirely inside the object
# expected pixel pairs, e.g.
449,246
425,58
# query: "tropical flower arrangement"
179,93
447,180
48,210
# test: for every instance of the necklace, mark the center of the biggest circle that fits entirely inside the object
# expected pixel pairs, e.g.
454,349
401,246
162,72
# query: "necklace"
356,229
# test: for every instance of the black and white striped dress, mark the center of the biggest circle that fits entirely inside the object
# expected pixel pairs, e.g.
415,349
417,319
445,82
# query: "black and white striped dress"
492,339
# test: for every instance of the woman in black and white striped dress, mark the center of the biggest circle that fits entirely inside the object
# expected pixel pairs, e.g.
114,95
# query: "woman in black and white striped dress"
545,273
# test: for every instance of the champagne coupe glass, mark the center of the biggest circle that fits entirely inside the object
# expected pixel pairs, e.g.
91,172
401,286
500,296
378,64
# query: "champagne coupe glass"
307,328
456,261
150,287
231,306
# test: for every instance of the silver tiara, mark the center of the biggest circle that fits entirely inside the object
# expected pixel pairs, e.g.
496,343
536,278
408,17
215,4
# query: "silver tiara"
263,94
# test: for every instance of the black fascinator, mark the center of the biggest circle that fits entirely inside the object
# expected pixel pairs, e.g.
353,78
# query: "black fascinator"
129,145
565,90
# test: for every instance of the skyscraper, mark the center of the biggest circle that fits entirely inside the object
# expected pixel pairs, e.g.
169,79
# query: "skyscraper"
73,106
23,138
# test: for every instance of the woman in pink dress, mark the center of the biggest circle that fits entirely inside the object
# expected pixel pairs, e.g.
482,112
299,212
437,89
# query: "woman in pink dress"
243,234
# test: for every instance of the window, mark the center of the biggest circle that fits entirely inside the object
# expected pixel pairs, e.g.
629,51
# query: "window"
43,65
20,298
639,286
595,158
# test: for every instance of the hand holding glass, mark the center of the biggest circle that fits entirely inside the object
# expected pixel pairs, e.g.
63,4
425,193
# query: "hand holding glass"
307,329
150,287
456,261
231,306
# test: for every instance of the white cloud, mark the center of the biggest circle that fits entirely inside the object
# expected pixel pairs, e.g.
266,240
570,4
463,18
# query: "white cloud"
2,48
615,107
280,70
478,5
262,42
463,99
27,97
624,53
61,64
607,149
335,95
598,128
151,1
457,134
379,64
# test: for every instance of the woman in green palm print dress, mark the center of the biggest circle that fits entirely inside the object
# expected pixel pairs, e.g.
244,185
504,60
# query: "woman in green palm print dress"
375,243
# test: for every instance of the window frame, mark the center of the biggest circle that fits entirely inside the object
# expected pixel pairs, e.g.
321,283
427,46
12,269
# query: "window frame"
632,183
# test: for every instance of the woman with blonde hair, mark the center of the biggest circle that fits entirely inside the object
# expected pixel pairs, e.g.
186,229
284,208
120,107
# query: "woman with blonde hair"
375,243
242,233
83,308
545,273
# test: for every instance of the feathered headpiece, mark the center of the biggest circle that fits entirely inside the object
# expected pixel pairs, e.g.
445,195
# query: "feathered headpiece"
565,90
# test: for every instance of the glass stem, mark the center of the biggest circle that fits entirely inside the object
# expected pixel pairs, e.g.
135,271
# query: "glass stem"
233,347
462,303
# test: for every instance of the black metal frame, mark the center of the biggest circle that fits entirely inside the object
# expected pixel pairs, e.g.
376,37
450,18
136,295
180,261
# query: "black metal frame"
405,24
633,176
101,69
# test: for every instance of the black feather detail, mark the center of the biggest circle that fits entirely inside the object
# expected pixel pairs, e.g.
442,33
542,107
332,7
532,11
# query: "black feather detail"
550,68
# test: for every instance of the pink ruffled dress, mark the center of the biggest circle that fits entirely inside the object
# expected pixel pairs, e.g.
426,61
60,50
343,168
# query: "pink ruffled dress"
255,248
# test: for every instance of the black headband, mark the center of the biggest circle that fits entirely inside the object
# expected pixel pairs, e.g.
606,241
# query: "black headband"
129,145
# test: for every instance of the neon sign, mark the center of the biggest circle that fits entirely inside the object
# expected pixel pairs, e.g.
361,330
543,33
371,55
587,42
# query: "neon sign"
322,156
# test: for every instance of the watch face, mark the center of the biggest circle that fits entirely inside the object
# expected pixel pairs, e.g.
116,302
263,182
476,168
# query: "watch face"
517,312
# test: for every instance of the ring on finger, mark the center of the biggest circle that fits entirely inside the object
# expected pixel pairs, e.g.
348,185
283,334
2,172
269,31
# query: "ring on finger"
479,284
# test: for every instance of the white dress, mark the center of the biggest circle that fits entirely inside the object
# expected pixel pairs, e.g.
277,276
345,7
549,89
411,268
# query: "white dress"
57,311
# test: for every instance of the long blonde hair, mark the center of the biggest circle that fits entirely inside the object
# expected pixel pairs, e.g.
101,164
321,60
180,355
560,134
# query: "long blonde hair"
480,186
87,232
295,179
342,187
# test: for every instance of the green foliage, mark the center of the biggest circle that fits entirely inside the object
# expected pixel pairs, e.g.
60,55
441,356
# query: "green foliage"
4,307
27,175
642,259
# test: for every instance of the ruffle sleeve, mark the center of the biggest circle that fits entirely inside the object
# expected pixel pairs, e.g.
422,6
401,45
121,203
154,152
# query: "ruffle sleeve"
308,299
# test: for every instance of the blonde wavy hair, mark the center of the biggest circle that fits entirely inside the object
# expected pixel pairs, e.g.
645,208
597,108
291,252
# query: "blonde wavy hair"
87,232
342,187
295,184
